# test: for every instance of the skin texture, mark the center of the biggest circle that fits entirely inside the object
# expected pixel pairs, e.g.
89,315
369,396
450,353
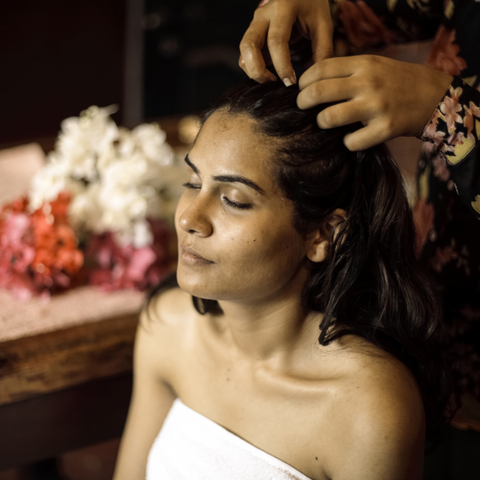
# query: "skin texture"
389,97
345,411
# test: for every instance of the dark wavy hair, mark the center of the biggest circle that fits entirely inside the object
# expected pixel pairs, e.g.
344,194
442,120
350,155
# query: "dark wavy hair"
370,285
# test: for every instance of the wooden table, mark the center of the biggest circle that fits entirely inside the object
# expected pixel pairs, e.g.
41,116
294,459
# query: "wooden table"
65,365
65,372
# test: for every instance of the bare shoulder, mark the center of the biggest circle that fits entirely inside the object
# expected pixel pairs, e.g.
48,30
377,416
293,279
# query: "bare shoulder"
380,410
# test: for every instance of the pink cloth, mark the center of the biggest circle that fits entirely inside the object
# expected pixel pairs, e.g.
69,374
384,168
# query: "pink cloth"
76,307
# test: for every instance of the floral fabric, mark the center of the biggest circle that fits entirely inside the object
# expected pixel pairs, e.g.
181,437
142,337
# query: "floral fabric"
454,132
448,178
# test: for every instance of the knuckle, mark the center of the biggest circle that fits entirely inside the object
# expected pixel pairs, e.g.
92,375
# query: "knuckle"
327,118
247,44
315,93
259,12
258,76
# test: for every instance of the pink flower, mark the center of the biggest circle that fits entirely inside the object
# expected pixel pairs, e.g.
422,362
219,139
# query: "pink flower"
128,267
455,93
444,53
431,132
19,284
456,138
449,107
16,247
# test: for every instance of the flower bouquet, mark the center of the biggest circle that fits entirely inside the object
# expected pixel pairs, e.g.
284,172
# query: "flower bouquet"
99,212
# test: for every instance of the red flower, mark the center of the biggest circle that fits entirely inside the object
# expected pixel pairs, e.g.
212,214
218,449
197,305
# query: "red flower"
38,251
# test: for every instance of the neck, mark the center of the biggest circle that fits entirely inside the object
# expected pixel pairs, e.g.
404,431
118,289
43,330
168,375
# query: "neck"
270,330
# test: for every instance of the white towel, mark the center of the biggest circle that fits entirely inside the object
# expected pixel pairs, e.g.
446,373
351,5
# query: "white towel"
193,447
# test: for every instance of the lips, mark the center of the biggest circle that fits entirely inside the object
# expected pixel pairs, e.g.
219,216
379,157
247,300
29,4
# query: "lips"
192,256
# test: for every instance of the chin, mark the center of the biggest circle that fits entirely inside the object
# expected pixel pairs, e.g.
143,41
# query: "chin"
193,286
199,288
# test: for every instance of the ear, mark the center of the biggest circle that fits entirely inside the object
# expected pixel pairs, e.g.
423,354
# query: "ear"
319,240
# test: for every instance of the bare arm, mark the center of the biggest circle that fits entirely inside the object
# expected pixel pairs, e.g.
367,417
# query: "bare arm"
151,401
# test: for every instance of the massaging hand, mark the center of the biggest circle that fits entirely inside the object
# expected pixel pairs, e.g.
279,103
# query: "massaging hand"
389,97
277,22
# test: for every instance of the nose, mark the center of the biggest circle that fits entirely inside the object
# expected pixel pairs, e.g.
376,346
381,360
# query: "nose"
195,218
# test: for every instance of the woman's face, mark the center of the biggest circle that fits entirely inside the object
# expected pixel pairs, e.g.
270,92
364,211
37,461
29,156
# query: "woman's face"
235,230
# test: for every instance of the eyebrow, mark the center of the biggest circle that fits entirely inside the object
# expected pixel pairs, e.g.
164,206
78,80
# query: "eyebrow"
228,178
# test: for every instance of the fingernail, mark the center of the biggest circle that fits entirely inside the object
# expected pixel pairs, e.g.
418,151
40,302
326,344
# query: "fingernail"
287,82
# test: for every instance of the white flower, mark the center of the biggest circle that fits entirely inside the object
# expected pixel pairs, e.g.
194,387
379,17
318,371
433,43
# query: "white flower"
150,140
117,178
86,138
142,234
49,181
85,212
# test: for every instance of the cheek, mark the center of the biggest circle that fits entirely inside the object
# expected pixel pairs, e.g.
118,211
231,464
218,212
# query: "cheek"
269,254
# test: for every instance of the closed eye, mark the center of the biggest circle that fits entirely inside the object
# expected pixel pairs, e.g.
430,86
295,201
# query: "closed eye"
226,200
192,186
242,206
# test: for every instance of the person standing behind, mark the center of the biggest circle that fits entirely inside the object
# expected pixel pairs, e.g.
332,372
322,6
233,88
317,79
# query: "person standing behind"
438,102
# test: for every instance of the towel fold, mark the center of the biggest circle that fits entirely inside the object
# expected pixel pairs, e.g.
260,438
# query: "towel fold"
193,447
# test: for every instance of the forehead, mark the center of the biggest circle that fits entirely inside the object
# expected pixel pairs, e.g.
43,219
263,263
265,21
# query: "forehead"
228,143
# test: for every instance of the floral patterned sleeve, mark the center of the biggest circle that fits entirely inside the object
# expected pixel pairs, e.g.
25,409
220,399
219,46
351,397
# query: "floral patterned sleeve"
454,130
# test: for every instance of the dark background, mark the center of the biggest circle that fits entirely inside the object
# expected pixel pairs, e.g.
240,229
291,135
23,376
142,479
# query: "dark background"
58,57
192,55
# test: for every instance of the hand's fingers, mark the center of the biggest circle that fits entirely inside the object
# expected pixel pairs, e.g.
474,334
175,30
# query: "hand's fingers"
330,68
326,91
241,64
322,43
369,136
251,54
277,40
342,114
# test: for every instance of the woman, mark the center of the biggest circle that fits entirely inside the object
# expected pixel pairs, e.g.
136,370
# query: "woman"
306,351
